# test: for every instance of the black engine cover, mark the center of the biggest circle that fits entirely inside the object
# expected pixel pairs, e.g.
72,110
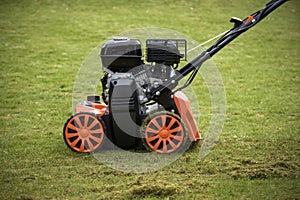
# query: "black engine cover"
121,55
124,111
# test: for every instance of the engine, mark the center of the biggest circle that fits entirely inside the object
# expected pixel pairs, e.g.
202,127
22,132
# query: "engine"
122,56
129,77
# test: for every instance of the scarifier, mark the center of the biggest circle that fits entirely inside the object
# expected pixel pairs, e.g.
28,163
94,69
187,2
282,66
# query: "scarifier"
142,105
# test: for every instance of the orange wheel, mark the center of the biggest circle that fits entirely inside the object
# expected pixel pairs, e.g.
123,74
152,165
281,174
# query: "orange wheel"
84,132
164,133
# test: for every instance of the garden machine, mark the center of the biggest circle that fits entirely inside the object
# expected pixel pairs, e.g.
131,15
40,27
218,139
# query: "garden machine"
142,104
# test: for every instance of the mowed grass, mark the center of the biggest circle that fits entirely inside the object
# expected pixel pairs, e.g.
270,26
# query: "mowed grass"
44,43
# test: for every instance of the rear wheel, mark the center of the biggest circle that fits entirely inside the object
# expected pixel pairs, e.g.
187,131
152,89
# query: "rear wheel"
164,133
84,132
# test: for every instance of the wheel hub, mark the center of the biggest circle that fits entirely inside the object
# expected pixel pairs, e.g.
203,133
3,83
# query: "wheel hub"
84,133
164,133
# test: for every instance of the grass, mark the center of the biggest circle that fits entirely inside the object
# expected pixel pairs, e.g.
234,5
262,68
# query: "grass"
43,44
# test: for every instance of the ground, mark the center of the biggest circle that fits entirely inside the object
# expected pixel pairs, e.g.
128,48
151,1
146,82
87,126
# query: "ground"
44,43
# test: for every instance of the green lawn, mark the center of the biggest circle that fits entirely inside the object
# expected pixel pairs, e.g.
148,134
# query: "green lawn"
44,43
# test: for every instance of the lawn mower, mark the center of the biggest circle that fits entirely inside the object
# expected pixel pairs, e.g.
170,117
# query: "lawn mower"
142,103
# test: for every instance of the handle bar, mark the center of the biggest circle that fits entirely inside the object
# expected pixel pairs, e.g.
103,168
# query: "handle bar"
194,65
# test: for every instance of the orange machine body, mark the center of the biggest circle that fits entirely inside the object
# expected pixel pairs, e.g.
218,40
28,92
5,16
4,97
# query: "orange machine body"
185,111
98,108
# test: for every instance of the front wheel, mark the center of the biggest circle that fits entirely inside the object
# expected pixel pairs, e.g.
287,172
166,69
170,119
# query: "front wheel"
84,132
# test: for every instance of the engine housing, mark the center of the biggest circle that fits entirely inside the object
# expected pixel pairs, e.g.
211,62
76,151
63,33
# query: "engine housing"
125,110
